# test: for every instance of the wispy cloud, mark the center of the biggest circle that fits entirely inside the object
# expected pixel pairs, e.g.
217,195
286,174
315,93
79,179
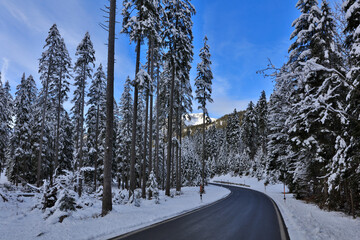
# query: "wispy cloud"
4,68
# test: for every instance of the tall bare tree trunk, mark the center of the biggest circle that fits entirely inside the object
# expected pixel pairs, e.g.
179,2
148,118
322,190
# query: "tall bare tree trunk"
39,163
177,145
81,131
178,188
170,130
203,155
58,124
143,187
133,137
157,129
178,153
107,201
151,111
96,147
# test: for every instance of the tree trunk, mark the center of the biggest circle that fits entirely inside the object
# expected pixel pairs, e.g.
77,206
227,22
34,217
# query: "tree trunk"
157,129
96,146
177,145
81,132
107,201
58,124
143,188
151,113
170,130
179,187
133,137
172,165
39,163
203,155
178,153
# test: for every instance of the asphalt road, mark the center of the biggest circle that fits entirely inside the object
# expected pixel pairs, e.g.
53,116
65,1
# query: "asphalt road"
245,214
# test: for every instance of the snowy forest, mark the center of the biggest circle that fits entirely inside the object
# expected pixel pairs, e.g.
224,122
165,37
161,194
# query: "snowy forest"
306,134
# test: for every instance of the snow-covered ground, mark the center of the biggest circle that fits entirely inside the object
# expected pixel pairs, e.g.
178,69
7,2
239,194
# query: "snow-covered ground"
20,220
304,221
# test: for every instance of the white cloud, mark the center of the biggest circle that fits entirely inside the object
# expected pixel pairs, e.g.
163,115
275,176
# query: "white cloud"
4,68
224,103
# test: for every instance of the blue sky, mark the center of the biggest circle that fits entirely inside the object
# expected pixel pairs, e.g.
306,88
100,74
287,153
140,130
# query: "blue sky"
242,35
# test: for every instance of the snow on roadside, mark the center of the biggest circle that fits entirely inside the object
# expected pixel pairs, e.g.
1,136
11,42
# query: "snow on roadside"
18,220
304,221
3,178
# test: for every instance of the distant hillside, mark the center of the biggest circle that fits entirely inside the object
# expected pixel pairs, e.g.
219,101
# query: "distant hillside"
196,119
219,123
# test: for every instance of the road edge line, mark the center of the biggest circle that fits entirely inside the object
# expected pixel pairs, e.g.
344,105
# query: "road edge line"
284,233
122,236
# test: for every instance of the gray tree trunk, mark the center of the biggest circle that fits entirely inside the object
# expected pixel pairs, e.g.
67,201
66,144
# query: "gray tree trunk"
107,201
170,117
58,124
39,163
81,132
133,137
203,155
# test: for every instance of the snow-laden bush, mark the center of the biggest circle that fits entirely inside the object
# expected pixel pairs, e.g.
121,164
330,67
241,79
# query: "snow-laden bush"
66,201
152,188
121,197
59,199
135,198
49,195
99,193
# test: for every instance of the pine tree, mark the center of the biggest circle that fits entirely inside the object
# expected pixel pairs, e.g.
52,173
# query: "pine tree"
95,119
20,164
58,91
82,69
48,69
203,91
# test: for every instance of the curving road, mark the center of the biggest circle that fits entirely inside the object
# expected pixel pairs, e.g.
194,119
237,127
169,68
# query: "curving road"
244,214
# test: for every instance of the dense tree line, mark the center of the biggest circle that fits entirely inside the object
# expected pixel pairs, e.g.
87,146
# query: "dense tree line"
136,144
307,135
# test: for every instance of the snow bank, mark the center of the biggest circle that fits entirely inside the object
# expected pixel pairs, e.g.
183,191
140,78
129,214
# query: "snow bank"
20,220
304,221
